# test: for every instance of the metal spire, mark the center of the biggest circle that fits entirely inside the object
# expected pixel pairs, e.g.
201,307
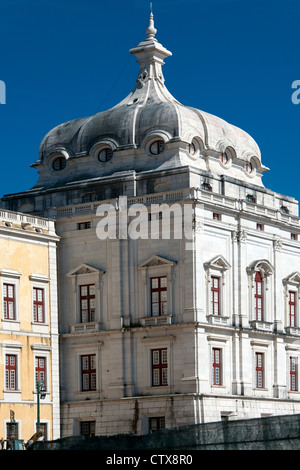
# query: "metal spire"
151,31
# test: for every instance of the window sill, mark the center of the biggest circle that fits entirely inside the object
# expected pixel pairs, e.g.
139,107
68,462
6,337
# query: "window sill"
159,320
217,319
89,327
10,324
261,325
293,330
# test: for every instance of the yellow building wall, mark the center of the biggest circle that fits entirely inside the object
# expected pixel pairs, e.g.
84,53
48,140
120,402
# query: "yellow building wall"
27,258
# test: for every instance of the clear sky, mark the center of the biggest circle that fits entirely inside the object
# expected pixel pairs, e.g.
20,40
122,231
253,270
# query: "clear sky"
65,59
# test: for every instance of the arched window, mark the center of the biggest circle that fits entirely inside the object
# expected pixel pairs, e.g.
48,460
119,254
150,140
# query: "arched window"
258,297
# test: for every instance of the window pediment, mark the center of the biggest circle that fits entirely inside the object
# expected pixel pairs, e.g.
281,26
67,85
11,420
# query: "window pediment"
293,278
84,269
156,260
263,266
219,262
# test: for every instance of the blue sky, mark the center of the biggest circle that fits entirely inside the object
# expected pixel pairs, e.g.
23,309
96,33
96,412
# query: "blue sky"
65,59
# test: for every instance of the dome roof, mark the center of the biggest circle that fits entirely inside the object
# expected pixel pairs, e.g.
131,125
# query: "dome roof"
148,111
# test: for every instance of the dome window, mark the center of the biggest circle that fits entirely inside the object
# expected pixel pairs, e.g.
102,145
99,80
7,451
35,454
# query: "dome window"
225,158
59,163
249,168
157,147
105,154
192,149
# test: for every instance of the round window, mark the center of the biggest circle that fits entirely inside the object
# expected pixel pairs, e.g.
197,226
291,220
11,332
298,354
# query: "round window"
59,163
157,147
105,155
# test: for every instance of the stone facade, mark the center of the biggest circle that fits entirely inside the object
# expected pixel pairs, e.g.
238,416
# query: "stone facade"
216,334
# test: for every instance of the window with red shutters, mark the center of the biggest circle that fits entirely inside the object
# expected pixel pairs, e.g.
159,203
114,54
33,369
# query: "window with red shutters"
88,372
38,305
159,300
159,367
216,366
293,374
9,307
259,370
215,295
292,308
258,297
87,303
10,372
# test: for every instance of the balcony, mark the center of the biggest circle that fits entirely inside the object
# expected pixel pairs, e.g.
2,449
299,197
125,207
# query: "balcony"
90,327
159,320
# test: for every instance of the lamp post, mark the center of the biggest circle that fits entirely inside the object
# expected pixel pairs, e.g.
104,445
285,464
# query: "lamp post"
41,389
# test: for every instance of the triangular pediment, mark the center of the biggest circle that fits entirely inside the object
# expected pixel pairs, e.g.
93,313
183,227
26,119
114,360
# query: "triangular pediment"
84,269
218,262
156,260
293,278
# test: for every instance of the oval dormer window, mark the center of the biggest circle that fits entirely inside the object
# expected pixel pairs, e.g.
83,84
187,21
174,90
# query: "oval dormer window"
59,163
157,147
105,154
249,168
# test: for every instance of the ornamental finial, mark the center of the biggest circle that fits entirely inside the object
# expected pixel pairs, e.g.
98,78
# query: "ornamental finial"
151,31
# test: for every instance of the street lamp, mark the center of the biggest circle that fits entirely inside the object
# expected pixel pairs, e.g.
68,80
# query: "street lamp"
41,389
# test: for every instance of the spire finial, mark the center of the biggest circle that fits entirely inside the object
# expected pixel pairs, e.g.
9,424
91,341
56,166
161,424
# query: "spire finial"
151,31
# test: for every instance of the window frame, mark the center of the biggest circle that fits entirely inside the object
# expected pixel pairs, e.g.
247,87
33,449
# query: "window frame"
161,367
259,370
258,297
215,291
91,317
40,371
37,304
217,366
6,300
293,374
8,369
159,290
90,372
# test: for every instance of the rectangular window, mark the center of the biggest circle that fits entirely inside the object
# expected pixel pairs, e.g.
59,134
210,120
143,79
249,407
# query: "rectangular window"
83,225
156,423
292,308
294,236
88,372
216,216
293,374
216,366
38,305
40,370
12,431
87,428
10,372
159,367
260,227
215,295
258,297
9,307
87,303
159,300
259,370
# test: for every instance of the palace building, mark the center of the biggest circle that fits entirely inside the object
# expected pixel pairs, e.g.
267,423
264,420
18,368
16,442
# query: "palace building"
162,331
29,347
